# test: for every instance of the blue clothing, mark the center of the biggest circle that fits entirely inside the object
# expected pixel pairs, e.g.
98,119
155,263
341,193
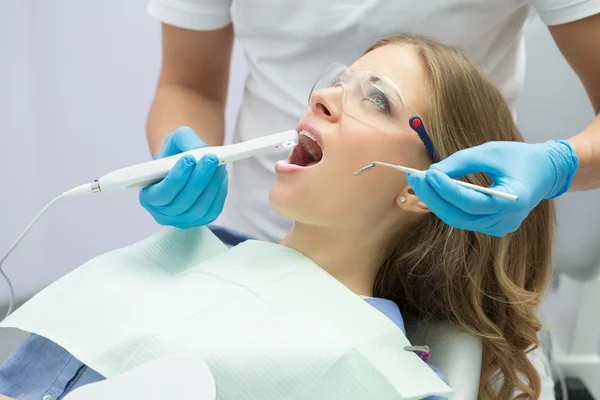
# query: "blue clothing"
40,367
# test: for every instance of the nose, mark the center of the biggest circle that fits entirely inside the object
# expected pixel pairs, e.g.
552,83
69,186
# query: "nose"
327,102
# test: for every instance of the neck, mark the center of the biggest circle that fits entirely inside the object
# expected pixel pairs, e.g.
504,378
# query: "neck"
352,258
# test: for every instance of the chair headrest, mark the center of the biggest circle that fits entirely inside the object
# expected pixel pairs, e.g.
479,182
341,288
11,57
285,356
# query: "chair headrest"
454,351
576,250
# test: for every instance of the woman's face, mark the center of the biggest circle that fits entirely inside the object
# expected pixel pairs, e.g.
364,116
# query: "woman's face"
367,127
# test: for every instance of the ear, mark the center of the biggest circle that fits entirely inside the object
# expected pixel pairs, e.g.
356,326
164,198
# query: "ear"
407,200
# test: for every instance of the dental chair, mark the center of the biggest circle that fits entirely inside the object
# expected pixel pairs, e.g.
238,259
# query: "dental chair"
576,264
455,352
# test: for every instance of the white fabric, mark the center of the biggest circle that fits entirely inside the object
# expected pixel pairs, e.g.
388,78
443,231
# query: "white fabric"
555,12
243,311
181,378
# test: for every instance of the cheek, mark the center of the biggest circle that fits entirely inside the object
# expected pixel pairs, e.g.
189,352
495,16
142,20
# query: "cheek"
330,193
357,149
377,188
405,149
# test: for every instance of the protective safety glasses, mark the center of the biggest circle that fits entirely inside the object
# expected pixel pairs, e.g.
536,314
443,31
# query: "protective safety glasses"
373,100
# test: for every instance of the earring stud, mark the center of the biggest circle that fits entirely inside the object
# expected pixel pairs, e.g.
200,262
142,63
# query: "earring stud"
402,199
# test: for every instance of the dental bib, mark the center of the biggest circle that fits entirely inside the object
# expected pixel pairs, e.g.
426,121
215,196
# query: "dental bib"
268,322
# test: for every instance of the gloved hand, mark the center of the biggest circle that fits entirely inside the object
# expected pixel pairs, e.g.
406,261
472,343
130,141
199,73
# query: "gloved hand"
533,172
192,194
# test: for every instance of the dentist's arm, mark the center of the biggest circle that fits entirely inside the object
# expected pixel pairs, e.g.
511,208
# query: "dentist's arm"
579,42
2,397
534,172
192,87
189,111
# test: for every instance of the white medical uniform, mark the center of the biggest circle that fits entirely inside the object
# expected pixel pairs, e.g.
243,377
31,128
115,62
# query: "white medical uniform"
288,43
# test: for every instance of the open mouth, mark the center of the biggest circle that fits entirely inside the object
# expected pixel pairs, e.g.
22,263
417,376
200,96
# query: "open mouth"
307,152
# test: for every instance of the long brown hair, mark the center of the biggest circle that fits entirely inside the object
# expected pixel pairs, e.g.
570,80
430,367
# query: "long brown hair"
491,286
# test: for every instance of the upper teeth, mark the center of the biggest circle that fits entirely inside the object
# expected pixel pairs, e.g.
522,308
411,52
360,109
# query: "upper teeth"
305,133
316,154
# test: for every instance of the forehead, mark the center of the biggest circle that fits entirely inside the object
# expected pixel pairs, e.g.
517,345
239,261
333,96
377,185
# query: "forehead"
402,64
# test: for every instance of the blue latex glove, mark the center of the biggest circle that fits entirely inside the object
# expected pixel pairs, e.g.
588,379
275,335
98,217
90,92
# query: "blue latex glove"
192,194
533,172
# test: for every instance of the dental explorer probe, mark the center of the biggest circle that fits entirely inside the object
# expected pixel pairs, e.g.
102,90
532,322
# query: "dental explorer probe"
148,173
482,189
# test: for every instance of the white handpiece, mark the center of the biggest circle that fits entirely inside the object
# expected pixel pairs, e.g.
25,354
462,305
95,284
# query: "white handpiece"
148,173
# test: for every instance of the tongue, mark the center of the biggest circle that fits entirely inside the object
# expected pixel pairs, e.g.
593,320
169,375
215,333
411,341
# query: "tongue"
316,149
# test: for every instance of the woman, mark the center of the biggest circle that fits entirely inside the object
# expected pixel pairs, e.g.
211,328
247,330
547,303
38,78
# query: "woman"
489,285
373,234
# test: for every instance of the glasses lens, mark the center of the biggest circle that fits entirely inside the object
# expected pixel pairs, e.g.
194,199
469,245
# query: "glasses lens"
376,101
371,99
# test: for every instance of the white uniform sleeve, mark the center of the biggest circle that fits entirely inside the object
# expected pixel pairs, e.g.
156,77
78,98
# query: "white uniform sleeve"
201,15
555,12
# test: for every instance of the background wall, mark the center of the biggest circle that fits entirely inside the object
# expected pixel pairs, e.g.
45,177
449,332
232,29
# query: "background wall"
76,82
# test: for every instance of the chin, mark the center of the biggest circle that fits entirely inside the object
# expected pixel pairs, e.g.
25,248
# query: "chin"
281,199
291,203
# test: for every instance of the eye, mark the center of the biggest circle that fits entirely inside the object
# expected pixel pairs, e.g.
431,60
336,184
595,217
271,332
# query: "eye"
380,101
